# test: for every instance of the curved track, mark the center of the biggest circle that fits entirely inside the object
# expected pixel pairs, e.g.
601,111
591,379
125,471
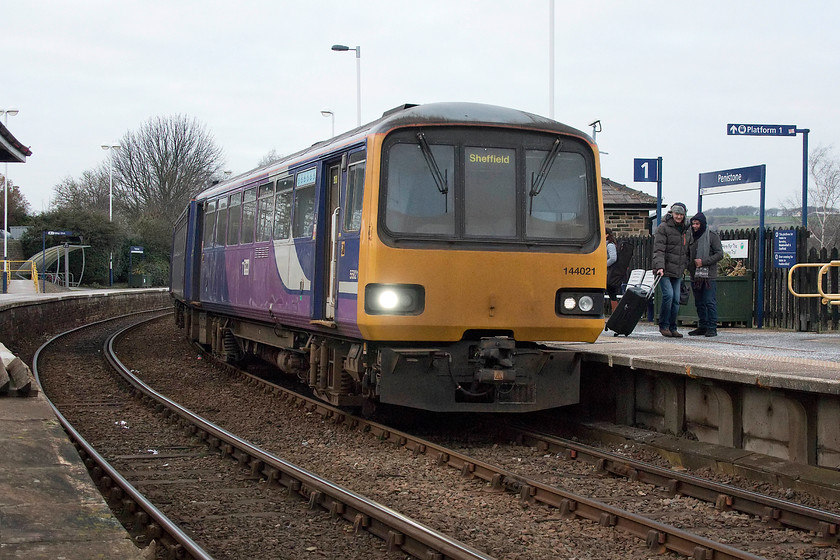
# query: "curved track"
191,475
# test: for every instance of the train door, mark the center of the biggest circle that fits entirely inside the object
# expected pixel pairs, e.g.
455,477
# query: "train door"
331,254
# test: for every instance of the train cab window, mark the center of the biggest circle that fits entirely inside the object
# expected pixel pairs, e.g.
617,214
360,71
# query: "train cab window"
355,191
249,215
209,222
420,200
490,192
283,208
557,206
265,211
221,222
234,218
303,217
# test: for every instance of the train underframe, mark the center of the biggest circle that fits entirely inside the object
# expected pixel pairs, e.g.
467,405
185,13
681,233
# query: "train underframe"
487,374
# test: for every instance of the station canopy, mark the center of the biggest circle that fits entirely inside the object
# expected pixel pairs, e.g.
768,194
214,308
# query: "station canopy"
11,150
44,260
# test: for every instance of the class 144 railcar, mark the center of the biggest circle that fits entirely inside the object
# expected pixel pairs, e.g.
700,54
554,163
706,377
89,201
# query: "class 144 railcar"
424,260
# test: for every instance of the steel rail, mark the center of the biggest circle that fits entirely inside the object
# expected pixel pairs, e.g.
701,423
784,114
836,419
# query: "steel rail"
822,523
659,537
399,531
108,477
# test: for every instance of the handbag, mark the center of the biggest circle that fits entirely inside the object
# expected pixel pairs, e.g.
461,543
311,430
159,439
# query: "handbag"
701,272
685,291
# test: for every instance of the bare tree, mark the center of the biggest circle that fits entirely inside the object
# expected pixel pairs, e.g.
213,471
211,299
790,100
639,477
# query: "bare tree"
89,192
269,158
823,197
162,165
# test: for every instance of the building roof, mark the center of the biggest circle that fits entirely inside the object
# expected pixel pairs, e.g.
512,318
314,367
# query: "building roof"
10,149
618,196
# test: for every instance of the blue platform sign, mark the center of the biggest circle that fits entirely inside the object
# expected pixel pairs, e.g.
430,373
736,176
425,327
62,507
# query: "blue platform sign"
784,248
59,232
645,170
730,180
761,130
134,249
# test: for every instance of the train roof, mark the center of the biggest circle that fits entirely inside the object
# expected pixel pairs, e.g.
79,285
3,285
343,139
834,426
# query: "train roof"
473,114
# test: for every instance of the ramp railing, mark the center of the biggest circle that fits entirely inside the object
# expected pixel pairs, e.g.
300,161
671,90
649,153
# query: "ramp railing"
825,298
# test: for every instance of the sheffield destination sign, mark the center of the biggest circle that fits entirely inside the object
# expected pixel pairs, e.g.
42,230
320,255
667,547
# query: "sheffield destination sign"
761,130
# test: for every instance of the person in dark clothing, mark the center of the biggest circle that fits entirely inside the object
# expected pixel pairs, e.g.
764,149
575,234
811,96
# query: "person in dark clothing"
612,258
704,252
670,257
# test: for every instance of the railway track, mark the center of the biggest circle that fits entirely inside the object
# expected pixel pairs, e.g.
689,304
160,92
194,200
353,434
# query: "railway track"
753,536
144,453
609,514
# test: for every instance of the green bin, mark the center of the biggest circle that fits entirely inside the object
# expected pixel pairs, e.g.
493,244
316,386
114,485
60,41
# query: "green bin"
734,302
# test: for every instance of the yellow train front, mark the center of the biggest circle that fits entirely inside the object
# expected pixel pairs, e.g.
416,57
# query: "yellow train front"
481,236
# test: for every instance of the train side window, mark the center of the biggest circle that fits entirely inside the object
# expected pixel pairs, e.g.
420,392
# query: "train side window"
265,211
355,192
303,217
283,208
234,218
249,215
209,222
560,208
221,222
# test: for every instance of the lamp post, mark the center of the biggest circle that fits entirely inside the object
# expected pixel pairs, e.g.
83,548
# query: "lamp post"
110,149
342,48
6,113
331,115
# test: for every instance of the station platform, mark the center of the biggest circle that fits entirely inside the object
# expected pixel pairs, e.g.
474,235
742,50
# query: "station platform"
789,360
49,506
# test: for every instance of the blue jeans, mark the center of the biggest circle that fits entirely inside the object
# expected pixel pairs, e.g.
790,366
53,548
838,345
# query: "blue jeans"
705,297
670,302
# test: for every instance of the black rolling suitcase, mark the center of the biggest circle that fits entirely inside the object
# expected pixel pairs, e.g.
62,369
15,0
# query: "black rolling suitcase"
630,308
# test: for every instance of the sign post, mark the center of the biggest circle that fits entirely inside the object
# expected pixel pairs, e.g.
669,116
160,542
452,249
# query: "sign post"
44,234
649,171
734,180
779,130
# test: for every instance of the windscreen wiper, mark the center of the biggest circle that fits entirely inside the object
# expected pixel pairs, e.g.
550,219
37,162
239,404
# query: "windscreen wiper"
538,182
440,178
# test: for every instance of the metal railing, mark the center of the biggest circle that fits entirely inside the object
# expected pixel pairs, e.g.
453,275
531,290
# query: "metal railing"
22,270
825,297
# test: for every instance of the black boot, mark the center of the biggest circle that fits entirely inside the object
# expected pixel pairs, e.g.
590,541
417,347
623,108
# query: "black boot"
699,331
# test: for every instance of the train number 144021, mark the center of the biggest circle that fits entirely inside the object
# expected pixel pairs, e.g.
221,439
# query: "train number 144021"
582,270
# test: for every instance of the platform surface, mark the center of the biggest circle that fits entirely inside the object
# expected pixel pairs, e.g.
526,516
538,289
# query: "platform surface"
49,506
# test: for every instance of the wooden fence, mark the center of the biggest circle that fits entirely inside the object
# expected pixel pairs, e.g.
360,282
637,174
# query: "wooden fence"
781,309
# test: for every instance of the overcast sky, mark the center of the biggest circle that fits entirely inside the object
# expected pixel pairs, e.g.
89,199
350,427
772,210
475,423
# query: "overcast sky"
663,77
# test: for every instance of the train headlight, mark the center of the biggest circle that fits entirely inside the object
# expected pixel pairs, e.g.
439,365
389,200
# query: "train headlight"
586,304
582,302
394,299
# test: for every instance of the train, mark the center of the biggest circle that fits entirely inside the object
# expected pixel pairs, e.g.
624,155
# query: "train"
427,259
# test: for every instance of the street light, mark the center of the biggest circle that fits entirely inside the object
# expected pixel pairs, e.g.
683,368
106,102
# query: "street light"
342,48
332,115
110,149
6,113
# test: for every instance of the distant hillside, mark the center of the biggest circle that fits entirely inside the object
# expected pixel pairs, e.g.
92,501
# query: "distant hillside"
737,217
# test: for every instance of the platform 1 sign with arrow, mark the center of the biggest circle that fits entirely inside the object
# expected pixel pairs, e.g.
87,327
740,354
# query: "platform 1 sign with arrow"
761,130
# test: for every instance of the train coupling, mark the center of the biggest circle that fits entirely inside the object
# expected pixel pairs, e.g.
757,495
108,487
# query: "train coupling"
494,357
